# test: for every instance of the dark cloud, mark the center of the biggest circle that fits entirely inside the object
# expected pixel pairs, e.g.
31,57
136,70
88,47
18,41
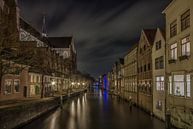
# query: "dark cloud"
103,29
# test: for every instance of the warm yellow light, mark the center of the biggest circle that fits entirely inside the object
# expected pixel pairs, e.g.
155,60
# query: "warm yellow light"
53,82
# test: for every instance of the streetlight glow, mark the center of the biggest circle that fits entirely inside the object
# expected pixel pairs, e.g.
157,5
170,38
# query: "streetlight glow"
53,82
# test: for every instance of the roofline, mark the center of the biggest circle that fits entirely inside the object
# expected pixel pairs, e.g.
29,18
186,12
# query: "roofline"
143,31
29,24
170,4
60,37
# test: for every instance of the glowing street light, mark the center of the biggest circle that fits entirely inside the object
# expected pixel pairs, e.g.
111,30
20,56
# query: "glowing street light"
53,83
79,84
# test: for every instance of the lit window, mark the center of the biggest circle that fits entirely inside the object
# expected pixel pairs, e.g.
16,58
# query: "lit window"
186,46
159,105
160,83
8,84
170,85
16,85
188,86
173,51
179,85
185,20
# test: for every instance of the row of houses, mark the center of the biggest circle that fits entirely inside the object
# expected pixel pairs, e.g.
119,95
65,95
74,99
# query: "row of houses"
157,72
32,63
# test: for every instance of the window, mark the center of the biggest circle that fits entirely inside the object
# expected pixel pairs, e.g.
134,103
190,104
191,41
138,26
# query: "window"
179,85
145,68
173,29
159,63
16,85
173,51
8,84
188,86
159,105
170,85
149,66
160,83
185,20
186,46
158,45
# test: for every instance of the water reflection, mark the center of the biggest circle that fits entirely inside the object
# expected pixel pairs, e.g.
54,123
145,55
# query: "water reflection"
96,110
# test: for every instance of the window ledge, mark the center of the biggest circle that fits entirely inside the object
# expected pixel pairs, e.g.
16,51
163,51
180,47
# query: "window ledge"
172,61
184,57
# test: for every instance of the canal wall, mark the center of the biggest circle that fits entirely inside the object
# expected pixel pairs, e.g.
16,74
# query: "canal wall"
18,115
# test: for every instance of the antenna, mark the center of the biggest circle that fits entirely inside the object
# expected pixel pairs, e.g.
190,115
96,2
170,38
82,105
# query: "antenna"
44,30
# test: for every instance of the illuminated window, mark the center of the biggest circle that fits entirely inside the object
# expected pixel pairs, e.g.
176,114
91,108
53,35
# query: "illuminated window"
173,29
188,86
173,51
8,85
185,20
170,85
159,105
186,46
16,85
179,85
160,83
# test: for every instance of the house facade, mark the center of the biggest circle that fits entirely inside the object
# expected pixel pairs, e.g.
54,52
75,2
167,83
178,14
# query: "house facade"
158,67
130,75
179,62
144,62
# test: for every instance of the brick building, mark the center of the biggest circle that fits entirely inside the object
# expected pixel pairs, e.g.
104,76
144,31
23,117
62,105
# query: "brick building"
145,97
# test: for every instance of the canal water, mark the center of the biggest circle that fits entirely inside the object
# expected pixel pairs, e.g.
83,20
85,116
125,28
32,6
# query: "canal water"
96,110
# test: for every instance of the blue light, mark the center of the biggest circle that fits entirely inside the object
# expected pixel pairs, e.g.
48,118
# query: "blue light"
105,82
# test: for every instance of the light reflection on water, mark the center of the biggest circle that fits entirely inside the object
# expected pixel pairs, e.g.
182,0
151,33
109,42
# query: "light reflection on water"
96,111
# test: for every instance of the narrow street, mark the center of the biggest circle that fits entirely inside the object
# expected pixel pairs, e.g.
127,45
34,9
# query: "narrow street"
96,110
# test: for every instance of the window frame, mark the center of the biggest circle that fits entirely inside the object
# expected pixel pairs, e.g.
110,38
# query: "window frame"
15,86
173,28
161,81
174,51
158,45
184,53
5,86
185,20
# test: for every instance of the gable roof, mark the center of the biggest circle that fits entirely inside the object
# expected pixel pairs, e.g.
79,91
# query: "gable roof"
150,35
60,42
163,32
27,27
169,5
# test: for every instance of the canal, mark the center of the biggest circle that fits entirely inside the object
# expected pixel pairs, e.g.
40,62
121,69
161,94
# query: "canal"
96,110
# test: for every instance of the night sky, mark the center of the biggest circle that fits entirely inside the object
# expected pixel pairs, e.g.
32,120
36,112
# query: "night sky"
103,29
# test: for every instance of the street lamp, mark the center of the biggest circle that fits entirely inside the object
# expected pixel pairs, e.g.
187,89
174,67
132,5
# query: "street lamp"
53,83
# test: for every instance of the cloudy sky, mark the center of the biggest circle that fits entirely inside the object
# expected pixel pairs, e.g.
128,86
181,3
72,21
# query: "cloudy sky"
103,29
